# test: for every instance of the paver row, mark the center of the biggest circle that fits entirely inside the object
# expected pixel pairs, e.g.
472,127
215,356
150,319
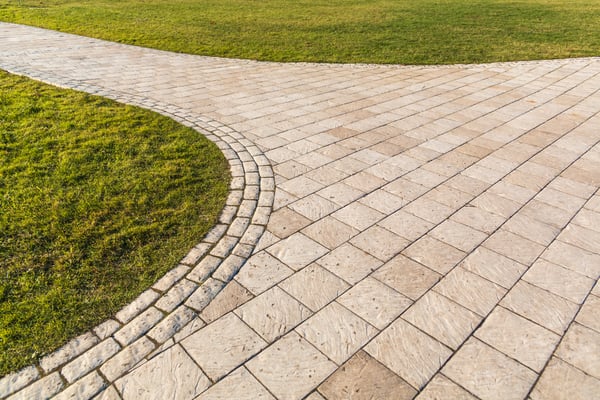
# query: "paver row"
434,231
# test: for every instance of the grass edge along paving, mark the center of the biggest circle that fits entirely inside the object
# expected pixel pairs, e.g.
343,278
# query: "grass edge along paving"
363,31
97,201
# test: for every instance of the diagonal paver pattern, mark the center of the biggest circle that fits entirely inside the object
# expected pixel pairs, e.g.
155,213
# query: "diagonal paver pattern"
392,232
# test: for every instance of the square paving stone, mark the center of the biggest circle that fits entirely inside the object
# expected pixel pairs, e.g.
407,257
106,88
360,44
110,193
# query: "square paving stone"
330,232
540,306
407,276
442,318
519,338
291,367
223,345
239,385
406,225
228,299
562,381
382,201
273,313
494,267
297,251
580,347
336,332
363,377
478,218
442,388
409,352
435,254
375,302
429,210
349,263
513,246
261,272
380,242
314,207
458,235
470,291
285,222
170,375
314,286
558,280
489,374
358,216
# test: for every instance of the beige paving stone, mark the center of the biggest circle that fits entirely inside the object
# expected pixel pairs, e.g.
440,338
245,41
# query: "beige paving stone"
349,263
285,222
84,388
493,267
261,272
468,185
273,313
170,375
231,297
532,229
375,302
126,359
470,290
429,210
380,242
282,199
109,393
314,207
588,219
362,377
340,193
223,345
291,367
445,194
558,280
364,181
240,385
496,204
382,201
589,314
581,237
401,347
458,235
514,246
441,388
512,192
175,296
406,225
90,360
17,380
434,254
330,232
542,307
560,200
518,338
546,213
442,318
561,381
314,286
72,349
580,347
573,258
489,374
290,169
44,388
326,175
138,326
336,332
358,216
405,189
478,219
407,276
297,251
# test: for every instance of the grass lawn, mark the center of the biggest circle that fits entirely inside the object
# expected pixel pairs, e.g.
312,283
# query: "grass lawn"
97,201
374,31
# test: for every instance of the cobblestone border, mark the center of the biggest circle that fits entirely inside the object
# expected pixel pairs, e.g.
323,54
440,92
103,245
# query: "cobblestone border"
145,327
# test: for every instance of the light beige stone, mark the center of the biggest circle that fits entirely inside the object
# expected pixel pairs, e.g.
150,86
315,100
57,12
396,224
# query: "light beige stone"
239,385
380,243
297,251
558,280
44,388
458,235
222,346
518,338
375,302
442,318
489,374
358,216
589,314
561,381
232,296
349,263
406,225
290,368
407,276
580,347
261,272
84,388
494,267
442,388
273,313
170,375
314,286
362,377
573,258
408,352
336,332
314,207
285,222
478,218
330,232
513,246
435,254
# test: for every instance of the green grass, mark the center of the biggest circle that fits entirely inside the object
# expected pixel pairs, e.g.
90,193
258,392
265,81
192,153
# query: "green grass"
374,31
97,201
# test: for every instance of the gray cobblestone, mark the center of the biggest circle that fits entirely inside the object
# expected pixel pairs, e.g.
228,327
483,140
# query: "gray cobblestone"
90,360
69,351
138,326
176,295
126,358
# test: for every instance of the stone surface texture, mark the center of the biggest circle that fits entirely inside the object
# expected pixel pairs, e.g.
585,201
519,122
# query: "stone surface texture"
402,232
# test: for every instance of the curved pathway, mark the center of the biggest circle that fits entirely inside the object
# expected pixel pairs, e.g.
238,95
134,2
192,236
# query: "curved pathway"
392,232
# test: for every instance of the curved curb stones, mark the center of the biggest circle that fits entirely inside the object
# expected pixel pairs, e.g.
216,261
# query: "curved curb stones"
166,312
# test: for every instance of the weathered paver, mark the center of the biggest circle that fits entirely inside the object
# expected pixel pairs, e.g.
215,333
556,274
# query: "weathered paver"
391,231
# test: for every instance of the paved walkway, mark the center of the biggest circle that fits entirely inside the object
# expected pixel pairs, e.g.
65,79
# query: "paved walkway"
391,233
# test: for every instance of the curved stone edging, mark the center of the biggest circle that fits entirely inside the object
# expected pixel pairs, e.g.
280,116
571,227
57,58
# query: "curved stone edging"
147,326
